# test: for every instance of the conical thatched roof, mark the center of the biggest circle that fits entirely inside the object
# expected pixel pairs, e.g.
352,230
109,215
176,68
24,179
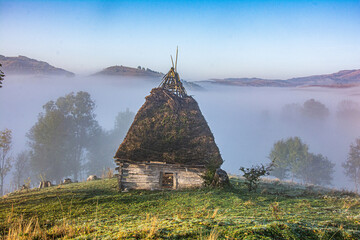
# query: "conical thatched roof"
170,128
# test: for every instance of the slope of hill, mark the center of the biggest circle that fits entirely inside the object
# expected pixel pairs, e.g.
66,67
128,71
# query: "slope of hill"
335,79
253,82
341,77
192,86
90,210
22,65
122,71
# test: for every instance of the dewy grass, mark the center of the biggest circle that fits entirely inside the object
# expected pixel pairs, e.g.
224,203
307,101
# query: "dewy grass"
96,209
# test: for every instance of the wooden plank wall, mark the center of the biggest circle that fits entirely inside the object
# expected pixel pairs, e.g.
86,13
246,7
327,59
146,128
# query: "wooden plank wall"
148,176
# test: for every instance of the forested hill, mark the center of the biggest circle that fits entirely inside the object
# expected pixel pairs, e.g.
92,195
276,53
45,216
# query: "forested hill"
22,65
122,71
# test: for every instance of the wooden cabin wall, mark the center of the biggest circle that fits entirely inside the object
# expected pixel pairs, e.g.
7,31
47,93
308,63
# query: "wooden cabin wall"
148,176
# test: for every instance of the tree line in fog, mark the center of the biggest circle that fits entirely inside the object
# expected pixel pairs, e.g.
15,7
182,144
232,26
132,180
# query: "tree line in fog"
315,111
292,160
66,141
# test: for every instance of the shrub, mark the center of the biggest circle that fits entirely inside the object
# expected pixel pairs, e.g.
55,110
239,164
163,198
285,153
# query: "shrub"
209,176
252,175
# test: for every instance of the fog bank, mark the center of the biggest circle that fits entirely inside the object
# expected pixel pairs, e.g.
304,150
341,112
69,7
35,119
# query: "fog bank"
246,121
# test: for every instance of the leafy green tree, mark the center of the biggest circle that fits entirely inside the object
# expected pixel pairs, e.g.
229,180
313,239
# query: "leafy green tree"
61,136
279,156
297,157
288,156
79,109
316,169
5,157
352,164
21,168
50,153
2,75
291,157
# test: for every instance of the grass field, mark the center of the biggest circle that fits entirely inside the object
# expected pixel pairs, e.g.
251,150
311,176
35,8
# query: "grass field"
90,210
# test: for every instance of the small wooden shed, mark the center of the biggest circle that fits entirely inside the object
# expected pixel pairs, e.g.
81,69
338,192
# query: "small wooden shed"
158,175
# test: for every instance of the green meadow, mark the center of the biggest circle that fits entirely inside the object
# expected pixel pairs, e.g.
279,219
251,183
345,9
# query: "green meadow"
96,210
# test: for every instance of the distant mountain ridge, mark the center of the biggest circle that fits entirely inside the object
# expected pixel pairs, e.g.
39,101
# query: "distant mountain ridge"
139,72
22,65
341,77
122,71
344,77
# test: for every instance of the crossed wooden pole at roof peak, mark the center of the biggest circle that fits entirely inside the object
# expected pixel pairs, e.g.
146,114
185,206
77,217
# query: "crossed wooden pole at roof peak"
171,81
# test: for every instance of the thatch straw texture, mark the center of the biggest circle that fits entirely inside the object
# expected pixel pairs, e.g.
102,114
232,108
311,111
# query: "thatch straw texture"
170,129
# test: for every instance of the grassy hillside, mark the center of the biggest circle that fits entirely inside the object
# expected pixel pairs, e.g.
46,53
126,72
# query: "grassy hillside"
122,71
95,209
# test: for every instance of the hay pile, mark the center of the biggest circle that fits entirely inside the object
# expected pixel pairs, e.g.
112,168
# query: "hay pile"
171,129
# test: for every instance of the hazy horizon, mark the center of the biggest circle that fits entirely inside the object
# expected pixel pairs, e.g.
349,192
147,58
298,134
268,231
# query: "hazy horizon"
90,74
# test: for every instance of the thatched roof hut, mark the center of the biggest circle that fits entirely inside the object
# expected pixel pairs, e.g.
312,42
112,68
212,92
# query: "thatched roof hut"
169,137
170,129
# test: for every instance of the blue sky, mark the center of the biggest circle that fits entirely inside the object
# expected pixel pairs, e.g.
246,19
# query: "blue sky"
216,39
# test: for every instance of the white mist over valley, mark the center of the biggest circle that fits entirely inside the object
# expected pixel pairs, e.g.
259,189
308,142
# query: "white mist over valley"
245,121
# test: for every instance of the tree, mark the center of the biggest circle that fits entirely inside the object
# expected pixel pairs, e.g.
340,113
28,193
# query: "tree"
100,152
297,157
352,164
291,112
348,113
317,169
21,168
252,175
50,153
287,157
292,156
5,157
348,109
315,110
103,143
2,75
79,109
279,155
309,110
122,124
61,136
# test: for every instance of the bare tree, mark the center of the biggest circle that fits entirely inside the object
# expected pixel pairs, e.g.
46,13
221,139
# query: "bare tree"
21,168
352,164
5,157
348,114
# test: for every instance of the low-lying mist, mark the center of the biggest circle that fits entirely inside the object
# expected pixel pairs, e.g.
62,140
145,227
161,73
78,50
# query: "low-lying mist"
246,121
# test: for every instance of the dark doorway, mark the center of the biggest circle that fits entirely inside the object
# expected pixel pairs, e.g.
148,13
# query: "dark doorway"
167,180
